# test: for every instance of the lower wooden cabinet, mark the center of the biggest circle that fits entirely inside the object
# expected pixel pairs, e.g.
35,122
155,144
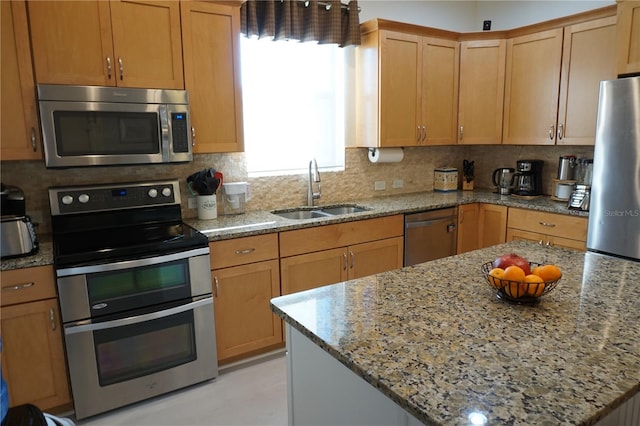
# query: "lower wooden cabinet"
324,255
244,321
311,270
481,225
548,229
33,361
245,277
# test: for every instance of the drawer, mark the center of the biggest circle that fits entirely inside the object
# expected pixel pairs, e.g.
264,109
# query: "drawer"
240,251
557,225
28,284
340,235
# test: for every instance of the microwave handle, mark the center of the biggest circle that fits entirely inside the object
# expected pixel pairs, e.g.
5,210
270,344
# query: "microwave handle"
193,136
164,130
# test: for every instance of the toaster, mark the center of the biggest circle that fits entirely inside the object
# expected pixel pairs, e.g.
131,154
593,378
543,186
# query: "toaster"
18,237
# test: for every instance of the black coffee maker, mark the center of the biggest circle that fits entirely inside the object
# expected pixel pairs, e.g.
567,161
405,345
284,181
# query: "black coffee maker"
528,178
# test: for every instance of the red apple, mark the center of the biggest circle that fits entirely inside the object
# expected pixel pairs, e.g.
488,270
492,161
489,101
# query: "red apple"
510,259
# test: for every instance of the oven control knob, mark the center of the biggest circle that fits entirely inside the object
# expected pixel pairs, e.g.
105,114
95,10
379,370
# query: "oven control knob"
153,193
83,198
67,199
166,192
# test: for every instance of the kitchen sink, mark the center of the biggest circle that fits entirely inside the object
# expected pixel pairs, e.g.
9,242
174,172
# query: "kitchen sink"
319,212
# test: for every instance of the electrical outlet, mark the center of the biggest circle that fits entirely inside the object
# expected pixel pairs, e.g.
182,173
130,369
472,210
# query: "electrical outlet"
486,26
192,203
397,183
380,185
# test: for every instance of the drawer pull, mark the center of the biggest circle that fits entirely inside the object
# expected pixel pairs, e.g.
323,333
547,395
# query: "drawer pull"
550,225
344,258
540,242
17,287
353,259
548,244
245,251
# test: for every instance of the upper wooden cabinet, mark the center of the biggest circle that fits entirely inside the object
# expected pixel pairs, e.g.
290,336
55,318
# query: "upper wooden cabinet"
628,37
482,70
21,139
587,58
116,43
407,87
211,37
531,88
553,82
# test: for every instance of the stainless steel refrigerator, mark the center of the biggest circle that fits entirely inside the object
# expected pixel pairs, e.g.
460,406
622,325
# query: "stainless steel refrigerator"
614,211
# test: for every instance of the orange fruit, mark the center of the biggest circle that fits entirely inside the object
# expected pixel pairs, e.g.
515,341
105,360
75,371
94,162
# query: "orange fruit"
550,273
516,289
513,273
495,277
536,270
535,285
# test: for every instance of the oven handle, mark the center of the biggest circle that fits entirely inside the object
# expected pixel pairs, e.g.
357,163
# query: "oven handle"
127,264
82,328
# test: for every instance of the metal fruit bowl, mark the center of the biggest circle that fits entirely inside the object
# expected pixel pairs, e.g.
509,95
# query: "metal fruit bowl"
518,291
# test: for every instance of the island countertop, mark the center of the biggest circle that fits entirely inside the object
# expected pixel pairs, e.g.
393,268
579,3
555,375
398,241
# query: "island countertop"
435,339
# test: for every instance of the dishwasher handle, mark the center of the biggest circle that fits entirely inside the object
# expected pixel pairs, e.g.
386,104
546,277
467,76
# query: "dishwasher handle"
424,223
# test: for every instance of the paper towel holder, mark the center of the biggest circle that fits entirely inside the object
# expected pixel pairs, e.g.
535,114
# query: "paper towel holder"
382,154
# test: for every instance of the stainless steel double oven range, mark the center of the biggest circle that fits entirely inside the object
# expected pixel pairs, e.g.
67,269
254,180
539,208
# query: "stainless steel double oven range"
134,285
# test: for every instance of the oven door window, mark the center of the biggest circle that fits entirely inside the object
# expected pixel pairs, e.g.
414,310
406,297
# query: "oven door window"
120,290
137,350
80,133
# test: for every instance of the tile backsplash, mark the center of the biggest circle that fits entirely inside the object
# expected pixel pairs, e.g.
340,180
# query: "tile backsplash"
356,182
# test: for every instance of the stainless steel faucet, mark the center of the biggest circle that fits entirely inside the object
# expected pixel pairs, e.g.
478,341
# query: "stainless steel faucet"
314,176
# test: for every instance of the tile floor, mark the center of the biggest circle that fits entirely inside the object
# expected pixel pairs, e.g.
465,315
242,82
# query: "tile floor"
249,394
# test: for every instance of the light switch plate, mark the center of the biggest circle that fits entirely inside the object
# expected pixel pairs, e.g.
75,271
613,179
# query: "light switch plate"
380,185
397,183
191,202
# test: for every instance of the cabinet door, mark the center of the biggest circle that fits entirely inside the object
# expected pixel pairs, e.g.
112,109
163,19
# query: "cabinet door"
492,222
467,228
211,34
244,321
33,361
439,91
20,140
307,271
147,44
628,37
587,58
482,69
72,42
400,89
375,257
531,90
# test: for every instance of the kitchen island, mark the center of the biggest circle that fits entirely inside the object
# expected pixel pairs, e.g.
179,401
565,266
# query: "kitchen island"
435,342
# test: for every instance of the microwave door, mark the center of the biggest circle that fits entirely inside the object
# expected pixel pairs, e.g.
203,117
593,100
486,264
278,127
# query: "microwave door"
100,133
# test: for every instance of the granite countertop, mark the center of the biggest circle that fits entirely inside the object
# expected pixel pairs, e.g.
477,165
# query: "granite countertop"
264,222
435,339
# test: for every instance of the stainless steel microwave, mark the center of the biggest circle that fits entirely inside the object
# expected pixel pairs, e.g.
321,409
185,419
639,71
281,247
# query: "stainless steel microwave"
98,126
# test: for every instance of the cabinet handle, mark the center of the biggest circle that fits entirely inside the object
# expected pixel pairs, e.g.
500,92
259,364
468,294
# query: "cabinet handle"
353,259
193,136
344,258
550,225
461,217
548,244
419,135
540,242
461,132
245,251
551,132
33,139
215,281
560,131
121,66
52,318
424,133
109,68
17,287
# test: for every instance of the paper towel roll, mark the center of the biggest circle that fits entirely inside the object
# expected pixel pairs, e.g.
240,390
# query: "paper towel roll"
386,155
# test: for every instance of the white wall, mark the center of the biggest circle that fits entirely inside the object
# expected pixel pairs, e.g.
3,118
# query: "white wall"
467,16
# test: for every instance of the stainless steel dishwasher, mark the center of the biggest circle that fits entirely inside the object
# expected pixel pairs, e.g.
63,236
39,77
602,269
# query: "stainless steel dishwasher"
430,235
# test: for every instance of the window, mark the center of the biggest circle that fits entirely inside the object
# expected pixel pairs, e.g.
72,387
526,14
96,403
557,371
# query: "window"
293,100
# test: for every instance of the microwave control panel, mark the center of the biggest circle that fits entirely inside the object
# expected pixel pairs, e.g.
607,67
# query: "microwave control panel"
180,132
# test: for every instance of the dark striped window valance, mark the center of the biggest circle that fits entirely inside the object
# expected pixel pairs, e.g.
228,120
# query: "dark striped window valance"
327,22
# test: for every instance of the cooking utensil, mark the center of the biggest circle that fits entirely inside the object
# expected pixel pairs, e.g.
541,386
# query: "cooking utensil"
204,182
468,170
